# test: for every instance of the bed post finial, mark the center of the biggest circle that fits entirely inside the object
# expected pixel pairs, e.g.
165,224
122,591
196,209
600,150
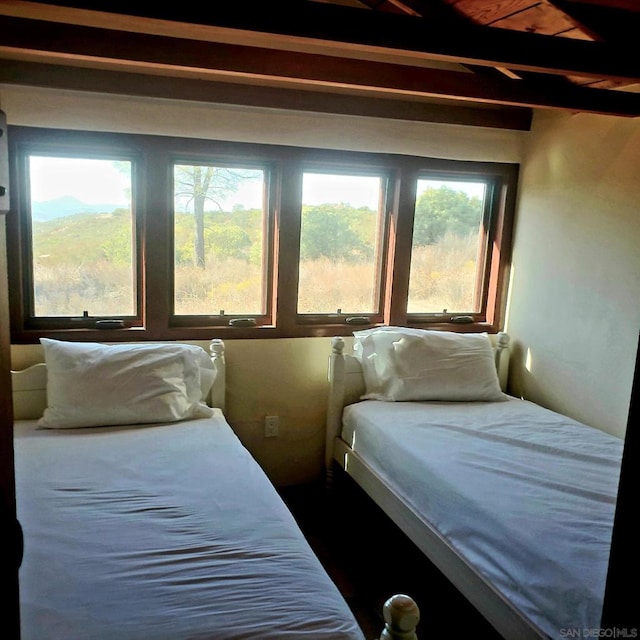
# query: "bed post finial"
502,340
216,347
337,345
401,616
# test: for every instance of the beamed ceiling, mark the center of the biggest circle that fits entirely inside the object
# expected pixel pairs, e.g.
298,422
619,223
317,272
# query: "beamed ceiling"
479,62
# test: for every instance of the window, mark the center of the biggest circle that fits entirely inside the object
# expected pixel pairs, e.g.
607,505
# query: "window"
129,237
448,247
341,237
220,223
81,247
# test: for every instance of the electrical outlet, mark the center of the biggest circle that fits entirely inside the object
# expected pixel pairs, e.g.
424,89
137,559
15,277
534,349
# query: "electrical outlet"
271,424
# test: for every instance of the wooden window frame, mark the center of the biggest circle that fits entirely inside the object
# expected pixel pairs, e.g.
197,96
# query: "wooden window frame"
385,173
499,183
267,318
154,158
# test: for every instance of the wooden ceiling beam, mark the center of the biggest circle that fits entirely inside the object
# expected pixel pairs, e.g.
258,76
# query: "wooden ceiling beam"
606,23
626,5
33,40
348,28
191,89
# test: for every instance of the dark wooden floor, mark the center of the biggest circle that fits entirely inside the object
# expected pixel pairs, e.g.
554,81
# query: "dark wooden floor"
369,559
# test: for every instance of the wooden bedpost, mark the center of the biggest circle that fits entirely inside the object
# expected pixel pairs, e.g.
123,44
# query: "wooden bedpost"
335,403
502,359
401,616
218,391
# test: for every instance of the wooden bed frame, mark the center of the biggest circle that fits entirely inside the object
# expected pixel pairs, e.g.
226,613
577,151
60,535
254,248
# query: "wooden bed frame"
346,386
29,389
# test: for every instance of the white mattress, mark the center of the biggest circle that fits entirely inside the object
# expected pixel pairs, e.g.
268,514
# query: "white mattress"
162,532
526,495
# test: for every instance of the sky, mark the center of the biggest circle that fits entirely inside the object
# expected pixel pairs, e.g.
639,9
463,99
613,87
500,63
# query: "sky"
101,182
92,181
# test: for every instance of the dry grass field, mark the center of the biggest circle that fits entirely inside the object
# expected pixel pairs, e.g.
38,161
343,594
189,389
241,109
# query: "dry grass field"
442,277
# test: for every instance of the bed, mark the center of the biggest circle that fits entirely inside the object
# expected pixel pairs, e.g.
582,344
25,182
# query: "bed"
155,522
512,502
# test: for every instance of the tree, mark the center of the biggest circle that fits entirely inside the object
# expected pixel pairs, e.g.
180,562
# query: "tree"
195,185
328,232
229,241
441,210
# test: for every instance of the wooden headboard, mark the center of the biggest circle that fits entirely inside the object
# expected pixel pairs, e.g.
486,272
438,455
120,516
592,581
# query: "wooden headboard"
29,386
346,383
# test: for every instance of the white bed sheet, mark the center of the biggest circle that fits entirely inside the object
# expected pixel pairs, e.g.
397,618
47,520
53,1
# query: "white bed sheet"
162,532
525,494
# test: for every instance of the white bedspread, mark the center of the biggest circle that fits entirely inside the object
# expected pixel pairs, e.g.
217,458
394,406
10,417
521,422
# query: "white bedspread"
526,495
162,532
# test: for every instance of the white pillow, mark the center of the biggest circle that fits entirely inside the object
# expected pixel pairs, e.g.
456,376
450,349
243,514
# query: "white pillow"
373,348
91,384
416,364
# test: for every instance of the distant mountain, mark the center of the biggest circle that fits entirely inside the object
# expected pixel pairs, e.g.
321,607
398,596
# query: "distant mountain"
67,206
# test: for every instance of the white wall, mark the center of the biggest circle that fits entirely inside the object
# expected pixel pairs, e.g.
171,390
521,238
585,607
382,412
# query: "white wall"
574,309
76,110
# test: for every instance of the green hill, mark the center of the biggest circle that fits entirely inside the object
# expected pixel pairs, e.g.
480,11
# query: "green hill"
84,238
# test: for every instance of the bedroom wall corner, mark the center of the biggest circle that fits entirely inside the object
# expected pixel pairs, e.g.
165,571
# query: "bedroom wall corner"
284,377
574,307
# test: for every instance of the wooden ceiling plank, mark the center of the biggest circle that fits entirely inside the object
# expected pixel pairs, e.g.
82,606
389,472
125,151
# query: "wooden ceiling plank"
487,12
541,18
